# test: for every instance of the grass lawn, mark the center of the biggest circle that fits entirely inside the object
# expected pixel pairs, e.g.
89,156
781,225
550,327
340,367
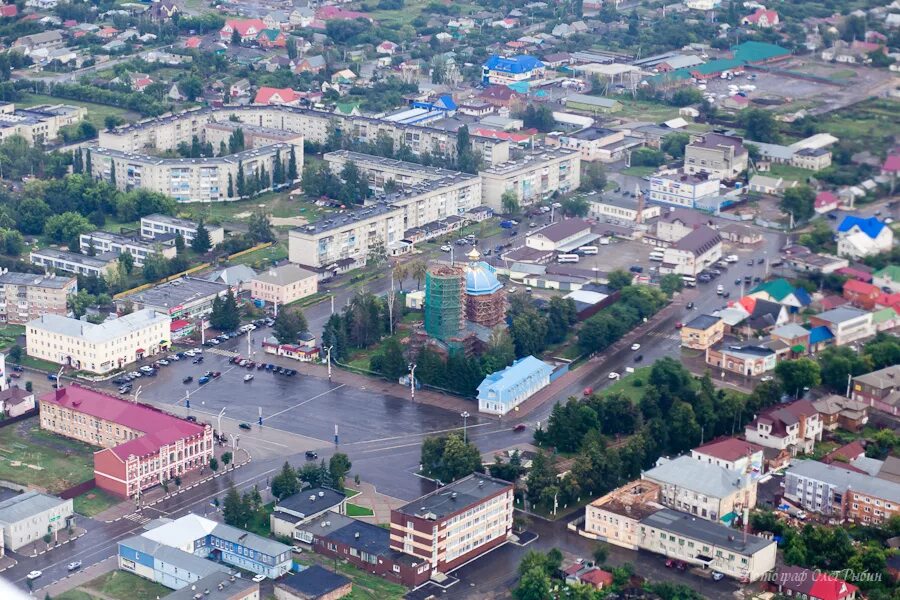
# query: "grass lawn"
276,204
273,253
789,172
94,502
259,523
9,334
44,459
639,171
869,124
96,113
630,386
354,510
75,594
412,317
38,363
647,111
842,74
114,226
122,585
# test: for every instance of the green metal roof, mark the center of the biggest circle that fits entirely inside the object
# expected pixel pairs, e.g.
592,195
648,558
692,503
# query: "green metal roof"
885,314
778,289
753,52
717,66
892,272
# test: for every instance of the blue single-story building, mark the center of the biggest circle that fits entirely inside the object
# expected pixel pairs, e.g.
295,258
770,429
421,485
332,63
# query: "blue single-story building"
502,391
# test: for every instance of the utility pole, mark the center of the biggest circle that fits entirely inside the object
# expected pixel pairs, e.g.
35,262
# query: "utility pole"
219,421
138,393
465,415
412,381
328,350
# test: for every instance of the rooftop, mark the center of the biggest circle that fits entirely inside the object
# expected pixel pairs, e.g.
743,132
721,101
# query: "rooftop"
841,314
392,164
284,275
871,226
311,501
101,261
215,586
711,480
176,222
699,241
889,377
562,230
177,292
499,381
703,322
250,154
717,140
533,159
455,497
729,449
714,534
27,505
174,556
32,279
844,479
314,582
159,428
592,100
92,333
192,527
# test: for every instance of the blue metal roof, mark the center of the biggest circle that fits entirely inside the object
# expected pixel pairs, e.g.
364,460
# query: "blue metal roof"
803,296
481,280
820,334
871,226
500,381
521,63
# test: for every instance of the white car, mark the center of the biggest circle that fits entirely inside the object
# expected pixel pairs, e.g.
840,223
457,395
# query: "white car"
214,342
248,377
164,362
732,258
34,574
146,369
635,346
446,248
197,350
259,578
613,375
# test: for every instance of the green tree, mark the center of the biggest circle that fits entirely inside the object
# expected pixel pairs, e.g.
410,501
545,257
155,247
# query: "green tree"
289,324
799,201
126,261
286,482
561,316
226,458
797,375
67,228
390,362
449,458
540,477
509,200
291,46
671,284
201,242
674,144
576,206
619,279
533,585
837,363
235,38
647,157
292,166
500,353
230,190
15,353
156,266
760,125
225,315
33,213
338,466
593,176
213,464
529,333
234,511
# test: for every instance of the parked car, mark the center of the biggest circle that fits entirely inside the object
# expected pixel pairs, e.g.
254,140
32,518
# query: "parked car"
256,578
245,426
311,455
519,427
125,389
187,379
639,358
191,418
248,377
613,375
635,346
717,576
203,380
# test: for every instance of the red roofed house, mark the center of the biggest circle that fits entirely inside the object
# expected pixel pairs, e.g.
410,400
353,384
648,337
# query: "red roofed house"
9,11
192,42
271,38
248,29
811,585
142,445
732,454
859,273
107,33
139,84
861,294
826,202
387,47
335,13
762,18
891,164
845,454
269,95
889,301
598,578
501,95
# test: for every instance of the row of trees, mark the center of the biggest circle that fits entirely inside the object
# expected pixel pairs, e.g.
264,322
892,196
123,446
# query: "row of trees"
636,303
290,481
363,322
351,187
532,331
673,415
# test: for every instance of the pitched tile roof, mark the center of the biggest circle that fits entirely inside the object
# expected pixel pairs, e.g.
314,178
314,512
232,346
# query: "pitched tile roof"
729,449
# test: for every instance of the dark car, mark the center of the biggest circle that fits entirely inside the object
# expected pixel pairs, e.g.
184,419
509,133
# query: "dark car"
197,360
311,455
187,379
245,426
737,281
269,367
191,418
260,366
279,370
120,381
726,294
639,358
18,368
690,306
832,216
519,427
636,269
760,261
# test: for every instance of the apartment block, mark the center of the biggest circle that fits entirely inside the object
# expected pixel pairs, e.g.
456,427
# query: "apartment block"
71,262
533,177
38,123
101,348
165,133
380,170
101,242
715,155
164,228
283,285
26,296
142,446
188,179
454,524
833,490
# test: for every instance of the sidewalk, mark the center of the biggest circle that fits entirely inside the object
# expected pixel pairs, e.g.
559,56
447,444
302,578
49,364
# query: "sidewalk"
63,537
377,502
188,481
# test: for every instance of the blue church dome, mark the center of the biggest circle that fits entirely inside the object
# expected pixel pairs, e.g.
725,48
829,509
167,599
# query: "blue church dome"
480,277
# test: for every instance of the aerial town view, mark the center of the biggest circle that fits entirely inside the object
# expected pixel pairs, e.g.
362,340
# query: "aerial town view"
449,299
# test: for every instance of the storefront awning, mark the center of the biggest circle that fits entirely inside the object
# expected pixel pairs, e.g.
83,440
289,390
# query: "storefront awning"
140,351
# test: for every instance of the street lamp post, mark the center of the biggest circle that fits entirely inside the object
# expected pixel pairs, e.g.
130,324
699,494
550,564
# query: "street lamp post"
412,381
138,393
465,415
219,421
328,359
59,376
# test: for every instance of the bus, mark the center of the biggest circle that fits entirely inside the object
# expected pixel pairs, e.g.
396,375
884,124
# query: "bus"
588,250
689,280
567,258
656,255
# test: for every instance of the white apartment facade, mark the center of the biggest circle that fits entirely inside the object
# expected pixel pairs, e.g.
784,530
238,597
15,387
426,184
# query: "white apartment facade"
532,178
30,516
98,348
715,155
38,122
154,226
682,190
380,170
104,241
71,262
693,253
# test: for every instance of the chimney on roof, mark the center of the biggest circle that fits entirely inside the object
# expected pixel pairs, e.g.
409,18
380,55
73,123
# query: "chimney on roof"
60,392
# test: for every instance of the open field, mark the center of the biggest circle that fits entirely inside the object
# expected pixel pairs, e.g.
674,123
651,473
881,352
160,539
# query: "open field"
789,172
121,585
646,111
94,502
96,113
631,386
31,456
276,204
273,253
872,124
639,171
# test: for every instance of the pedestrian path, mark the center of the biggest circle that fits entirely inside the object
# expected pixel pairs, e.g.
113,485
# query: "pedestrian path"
138,518
221,352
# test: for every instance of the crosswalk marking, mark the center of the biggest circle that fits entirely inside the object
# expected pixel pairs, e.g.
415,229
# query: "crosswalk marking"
138,518
228,353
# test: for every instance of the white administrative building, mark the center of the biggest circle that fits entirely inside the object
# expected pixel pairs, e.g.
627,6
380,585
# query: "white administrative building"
502,391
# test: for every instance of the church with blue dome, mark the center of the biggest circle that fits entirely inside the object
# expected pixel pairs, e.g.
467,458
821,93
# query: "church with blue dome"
485,296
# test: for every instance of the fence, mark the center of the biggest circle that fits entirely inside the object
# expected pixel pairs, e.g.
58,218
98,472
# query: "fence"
77,490
13,420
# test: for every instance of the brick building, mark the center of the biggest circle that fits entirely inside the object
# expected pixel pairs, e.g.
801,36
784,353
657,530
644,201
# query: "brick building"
142,446
26,296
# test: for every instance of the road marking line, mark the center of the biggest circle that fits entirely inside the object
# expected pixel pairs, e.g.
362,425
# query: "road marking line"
409,435
307,401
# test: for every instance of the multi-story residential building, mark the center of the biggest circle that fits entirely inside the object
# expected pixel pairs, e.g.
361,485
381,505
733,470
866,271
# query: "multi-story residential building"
165,228
142,446
715,155
879,389
225,544
165,133
833,490
101,348
26,296
38,123
795,427
30,516
615,517
455,524
682,189
707,544
431,201
534,177
702,332
380,170
102,242
693,253
845,323
502,391
70,262
219,134
702,489
504,70
188,179
595,143
283,285
733,454
184,298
